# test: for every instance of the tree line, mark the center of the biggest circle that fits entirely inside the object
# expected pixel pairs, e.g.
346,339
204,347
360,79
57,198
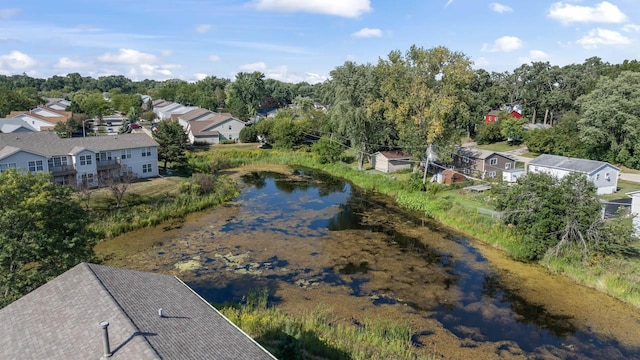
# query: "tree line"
406,100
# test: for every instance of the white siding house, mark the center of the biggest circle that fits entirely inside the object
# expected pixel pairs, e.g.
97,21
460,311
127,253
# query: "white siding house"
635,210
213,130
80,160
603,174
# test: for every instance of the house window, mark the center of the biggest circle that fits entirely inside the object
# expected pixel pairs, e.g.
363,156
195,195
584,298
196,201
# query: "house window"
465,159
57,161
607,177
36,166
146,151
507,166
125,154
492,174
4,167
103,156
229,127
87,179
146,168
597,177
493,161
466,171
85,160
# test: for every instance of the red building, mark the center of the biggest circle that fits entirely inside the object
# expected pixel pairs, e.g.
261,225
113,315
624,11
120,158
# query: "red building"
493,115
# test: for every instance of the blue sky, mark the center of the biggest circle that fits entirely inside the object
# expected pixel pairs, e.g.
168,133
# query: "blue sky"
301,40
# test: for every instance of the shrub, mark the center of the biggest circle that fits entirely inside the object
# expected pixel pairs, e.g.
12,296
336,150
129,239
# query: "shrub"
327,151
248,134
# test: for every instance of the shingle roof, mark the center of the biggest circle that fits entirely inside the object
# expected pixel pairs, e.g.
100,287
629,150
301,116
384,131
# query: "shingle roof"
193,114
49,143
9,125
476,153
567,163
395,155
60,320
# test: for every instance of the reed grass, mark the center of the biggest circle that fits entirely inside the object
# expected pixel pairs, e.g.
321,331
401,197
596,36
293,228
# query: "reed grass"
317,334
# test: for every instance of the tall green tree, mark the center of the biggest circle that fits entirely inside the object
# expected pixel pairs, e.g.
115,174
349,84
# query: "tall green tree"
551,216
610,122
356,88
43,232
427,96
172,142
245,94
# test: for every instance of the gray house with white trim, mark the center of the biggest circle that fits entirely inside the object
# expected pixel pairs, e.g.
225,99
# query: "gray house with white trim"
80,160
603,174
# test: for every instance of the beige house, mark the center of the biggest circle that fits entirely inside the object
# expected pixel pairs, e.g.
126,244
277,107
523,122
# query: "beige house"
390,161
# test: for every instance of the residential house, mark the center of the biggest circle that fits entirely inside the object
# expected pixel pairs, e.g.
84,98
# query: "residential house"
166,109
41,118
93,311
512,175
485,164
58,104
390,161
635,210
603,174
13,125
80,160
193,115
213,128
492,115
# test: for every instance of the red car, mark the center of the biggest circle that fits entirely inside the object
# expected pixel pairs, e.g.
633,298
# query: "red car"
135,126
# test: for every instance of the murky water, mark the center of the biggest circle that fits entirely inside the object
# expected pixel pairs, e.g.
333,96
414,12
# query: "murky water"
312,239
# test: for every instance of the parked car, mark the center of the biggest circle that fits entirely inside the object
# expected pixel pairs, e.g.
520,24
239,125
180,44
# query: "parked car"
135,126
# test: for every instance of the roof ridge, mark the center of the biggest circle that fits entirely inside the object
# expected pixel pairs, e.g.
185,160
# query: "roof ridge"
115,301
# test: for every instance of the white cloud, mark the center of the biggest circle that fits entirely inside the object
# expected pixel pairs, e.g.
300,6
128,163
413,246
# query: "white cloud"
500,8
166,52
200,76
149,71
67,63
128,56
503,44
534,55
367,32
538,55
604,12
282,73
600,36
631,28
449,2
8,13
16,60
259,66
213,58
203,28
344,8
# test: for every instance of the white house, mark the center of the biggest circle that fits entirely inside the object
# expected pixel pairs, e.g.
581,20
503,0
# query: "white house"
80,160
13,125
603,174
512,175
635,210
214,128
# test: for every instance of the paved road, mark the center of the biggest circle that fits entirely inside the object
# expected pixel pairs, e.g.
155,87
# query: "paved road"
630,177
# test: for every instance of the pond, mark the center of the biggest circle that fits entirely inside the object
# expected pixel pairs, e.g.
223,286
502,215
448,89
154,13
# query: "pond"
314,240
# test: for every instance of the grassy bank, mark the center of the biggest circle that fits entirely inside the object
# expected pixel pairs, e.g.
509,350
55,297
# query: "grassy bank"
615,276
150,208
318,335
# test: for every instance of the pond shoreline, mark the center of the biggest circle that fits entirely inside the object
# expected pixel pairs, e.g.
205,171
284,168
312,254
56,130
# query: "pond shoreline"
560,296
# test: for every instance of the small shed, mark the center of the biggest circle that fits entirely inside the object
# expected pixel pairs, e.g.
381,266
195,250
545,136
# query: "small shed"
511,176
390,161
449,176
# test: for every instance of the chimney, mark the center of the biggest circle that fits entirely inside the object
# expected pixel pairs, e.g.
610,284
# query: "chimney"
107,350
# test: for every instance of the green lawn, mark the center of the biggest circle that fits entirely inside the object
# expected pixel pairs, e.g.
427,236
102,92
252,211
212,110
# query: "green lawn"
623,188
500,146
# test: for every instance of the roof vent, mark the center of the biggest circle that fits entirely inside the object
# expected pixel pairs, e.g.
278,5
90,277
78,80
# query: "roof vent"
107,349
160,312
